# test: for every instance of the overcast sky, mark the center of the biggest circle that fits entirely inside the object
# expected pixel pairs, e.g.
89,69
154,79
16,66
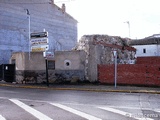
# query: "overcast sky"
110,16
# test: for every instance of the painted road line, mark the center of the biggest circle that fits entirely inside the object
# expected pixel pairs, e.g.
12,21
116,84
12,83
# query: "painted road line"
126,114
81,114
2,118
32,111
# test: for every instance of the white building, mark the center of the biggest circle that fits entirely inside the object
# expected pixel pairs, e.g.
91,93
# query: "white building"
149,46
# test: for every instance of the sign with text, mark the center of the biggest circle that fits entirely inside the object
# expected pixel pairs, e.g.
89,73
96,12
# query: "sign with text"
39,41
40,48
48,54
39,35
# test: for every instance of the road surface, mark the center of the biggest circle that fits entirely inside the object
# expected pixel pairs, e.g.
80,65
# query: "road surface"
42,104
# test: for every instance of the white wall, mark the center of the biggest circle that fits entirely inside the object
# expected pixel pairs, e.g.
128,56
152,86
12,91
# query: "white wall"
76,60
151,50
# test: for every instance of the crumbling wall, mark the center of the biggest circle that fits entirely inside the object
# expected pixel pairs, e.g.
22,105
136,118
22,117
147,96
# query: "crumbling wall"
99,50
34,76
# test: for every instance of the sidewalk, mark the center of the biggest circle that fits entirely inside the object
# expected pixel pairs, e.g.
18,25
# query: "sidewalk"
87,87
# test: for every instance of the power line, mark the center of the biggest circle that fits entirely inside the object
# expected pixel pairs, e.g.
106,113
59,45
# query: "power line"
25,3
64,1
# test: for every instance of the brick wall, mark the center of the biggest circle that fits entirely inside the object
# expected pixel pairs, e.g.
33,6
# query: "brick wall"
132,74
148,60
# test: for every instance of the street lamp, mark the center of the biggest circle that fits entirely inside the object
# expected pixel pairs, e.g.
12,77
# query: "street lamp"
128,27
115,68
29,20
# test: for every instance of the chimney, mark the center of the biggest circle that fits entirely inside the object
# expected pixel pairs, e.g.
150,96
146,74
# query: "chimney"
52,1
63,8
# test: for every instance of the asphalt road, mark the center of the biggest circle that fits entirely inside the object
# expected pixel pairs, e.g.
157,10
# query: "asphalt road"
44,104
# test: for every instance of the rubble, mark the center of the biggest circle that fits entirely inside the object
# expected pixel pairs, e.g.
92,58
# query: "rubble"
107,44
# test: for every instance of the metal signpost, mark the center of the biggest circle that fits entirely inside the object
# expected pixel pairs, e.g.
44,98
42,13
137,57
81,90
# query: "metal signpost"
39,43
47,72
115,68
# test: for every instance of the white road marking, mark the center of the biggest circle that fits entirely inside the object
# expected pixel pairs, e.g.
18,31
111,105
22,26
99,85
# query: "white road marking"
32,111
82,114
126,114
2,118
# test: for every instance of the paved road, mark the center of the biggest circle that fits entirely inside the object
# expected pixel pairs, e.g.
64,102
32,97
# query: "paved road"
43,104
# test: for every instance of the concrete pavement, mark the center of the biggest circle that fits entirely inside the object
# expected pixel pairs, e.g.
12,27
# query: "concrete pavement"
87,87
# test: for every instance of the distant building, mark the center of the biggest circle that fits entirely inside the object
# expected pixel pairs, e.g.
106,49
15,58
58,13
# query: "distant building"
44,14
149,46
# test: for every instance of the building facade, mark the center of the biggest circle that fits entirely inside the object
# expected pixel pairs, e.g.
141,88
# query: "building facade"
21,17
149,46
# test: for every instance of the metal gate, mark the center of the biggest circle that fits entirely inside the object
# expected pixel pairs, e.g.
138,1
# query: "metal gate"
7,72
1,72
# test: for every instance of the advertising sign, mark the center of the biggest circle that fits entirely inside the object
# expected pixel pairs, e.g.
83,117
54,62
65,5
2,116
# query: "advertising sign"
39,42
39,35
40,48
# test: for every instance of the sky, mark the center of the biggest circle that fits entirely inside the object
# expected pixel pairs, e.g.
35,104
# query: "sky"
135,19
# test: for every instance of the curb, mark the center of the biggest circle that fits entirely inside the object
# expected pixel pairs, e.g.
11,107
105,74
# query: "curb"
83,89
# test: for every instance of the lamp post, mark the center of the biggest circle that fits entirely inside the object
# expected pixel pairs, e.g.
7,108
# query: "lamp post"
128,28
29,24
115,68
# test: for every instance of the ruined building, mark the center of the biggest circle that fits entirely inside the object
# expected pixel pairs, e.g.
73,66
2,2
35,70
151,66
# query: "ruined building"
81,62
99,50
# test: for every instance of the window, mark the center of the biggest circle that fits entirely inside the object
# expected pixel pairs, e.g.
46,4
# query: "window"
144,50
13,61
67,63
51,64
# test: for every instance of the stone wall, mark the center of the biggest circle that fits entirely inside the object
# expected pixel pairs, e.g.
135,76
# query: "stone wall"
34,76
71,76
14,27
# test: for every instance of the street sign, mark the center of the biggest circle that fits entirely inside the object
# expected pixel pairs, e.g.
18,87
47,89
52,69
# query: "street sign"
39,41
40,48
48,54
39,35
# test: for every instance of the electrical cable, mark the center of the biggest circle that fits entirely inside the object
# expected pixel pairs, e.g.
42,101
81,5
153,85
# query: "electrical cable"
25,3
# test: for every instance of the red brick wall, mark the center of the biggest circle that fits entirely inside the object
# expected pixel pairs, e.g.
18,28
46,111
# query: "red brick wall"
148,60
131,74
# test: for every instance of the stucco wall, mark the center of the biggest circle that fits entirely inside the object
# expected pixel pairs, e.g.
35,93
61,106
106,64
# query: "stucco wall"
151,50
14,26
70,65
31,70
36,61
76,60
